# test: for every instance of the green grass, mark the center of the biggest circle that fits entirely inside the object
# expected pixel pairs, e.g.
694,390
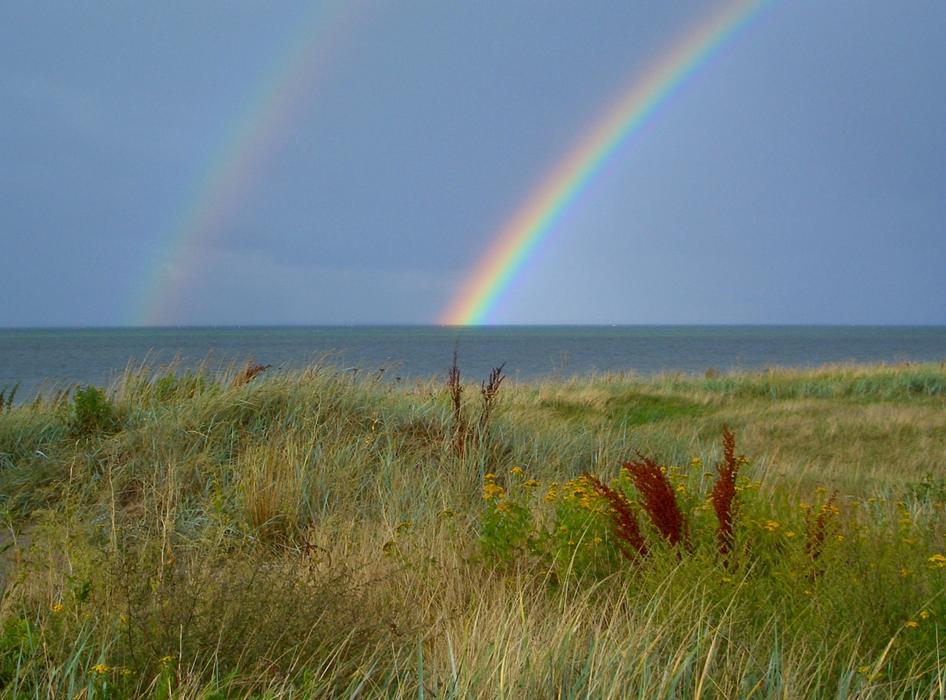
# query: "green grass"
314,534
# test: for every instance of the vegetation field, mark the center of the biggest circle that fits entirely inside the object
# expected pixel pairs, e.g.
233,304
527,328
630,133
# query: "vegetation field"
324,534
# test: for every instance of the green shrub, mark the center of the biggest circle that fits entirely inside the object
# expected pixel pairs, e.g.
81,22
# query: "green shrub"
92,413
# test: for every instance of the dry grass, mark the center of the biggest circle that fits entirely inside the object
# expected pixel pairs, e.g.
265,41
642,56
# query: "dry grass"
316,535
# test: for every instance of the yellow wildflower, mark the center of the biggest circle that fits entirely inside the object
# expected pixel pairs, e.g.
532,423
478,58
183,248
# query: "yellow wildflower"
681,488
789,534
492,490
170,659
904,572
938,560
57,607
502,507
101,669
911,624
530,484
696,462
925,614
489,476
516,470
772,525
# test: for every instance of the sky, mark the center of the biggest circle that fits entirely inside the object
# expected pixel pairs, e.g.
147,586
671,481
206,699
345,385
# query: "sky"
237,162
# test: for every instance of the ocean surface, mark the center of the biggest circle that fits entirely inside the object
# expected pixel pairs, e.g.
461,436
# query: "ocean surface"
54,358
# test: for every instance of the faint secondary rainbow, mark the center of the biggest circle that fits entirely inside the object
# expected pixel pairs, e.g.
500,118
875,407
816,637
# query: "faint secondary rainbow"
533,221
237,161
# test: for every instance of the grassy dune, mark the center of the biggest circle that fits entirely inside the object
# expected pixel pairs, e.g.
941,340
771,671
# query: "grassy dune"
316,534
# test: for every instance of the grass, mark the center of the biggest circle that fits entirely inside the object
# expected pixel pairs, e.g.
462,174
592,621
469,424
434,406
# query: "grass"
315,534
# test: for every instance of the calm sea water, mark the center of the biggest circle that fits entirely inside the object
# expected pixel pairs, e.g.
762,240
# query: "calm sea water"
64,356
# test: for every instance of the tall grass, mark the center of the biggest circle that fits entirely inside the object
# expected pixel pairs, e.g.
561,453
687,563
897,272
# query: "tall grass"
315,534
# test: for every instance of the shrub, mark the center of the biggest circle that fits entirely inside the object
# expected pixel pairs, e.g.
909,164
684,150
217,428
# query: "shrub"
92,413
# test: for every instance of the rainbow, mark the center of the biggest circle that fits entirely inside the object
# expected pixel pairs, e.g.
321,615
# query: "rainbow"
236,162
533,221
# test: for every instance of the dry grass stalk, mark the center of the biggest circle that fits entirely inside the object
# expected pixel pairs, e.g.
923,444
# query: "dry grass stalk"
490,391
248,373
272,485
456,399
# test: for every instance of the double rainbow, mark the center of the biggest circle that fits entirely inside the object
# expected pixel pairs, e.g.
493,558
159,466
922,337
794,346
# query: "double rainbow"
531,224
238,160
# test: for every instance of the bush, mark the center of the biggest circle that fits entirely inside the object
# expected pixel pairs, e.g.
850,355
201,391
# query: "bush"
92,413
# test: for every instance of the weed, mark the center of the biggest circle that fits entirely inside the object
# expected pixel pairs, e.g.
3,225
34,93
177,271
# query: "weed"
817,530
623,518
658,499
724,494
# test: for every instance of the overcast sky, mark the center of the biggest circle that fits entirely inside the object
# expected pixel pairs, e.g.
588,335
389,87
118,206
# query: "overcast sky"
799,176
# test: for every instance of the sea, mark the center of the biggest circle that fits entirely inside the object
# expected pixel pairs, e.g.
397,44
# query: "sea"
55,358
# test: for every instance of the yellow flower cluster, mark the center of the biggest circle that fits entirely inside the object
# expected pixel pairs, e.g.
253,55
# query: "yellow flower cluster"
744,483
582,492
938,561
492,490
105,669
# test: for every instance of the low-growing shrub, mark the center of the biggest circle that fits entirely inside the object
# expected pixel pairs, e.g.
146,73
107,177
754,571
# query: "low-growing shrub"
92,413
